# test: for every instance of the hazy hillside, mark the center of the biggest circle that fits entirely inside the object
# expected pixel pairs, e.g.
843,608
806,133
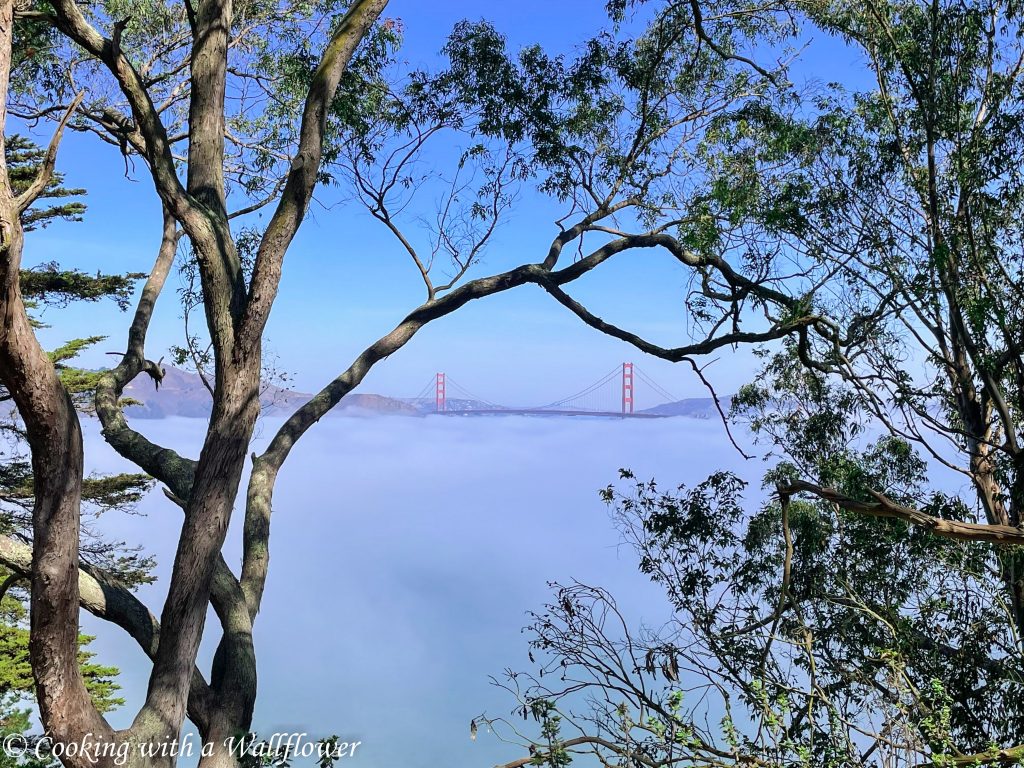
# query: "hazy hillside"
183,394
693,407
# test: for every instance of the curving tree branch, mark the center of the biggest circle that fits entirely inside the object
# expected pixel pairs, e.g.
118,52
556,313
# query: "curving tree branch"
883,506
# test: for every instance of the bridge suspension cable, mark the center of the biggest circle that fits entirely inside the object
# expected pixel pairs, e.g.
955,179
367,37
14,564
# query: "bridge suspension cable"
612,393
612,374
655,386
455,388
427,391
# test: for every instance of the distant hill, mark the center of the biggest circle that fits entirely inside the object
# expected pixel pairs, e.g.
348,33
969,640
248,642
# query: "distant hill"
183,394
691,407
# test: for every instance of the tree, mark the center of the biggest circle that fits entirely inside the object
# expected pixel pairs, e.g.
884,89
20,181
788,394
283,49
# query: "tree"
893,415
52,285
825,639
920,226
17,685
16,671
616,136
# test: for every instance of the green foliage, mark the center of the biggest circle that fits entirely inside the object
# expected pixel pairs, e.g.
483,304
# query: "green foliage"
100,493
50,284
826,636
359,103
24,159
16,671
75,380
47,282
554,754
806,651
16,482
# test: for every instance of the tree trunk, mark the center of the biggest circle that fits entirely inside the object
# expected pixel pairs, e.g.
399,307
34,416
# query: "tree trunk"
55,438
999,512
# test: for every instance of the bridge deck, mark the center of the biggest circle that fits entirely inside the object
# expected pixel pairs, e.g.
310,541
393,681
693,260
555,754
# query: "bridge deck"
549,412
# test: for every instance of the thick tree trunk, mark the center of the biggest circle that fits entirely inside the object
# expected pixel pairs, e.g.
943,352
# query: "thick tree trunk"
55,438
236,316
999,512
207,514
217,745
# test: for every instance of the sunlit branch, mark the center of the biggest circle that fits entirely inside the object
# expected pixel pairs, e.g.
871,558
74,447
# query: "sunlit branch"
884,507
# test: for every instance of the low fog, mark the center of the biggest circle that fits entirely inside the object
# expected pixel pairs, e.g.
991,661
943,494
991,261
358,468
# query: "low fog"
405,553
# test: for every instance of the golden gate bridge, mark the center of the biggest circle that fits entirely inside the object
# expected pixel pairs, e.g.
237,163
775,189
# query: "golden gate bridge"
614,394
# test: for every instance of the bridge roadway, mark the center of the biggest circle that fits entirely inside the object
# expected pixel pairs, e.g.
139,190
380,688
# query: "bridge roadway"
548,412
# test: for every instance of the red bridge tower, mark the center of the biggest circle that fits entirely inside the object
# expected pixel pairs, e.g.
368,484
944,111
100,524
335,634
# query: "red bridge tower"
627,388
439,394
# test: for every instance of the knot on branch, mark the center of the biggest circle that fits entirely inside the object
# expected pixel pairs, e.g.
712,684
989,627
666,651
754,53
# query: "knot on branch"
175,498
784,493
156,371
115,39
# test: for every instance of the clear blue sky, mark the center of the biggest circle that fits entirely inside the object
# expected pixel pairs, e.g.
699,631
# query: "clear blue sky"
347,281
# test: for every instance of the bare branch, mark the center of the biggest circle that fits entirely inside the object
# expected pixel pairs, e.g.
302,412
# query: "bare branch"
255,556
164,464
698,27
42,179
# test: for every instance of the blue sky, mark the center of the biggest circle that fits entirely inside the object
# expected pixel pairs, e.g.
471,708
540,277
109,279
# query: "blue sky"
347,282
